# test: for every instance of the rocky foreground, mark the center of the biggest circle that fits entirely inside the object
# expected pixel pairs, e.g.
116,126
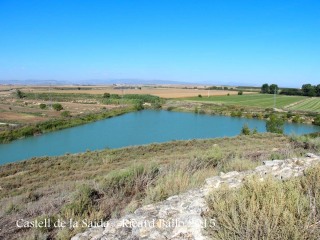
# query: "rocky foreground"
181,216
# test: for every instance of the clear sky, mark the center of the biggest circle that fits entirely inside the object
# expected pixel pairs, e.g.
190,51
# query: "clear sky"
215,41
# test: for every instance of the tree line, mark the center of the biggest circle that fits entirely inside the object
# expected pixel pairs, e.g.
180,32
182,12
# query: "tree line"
306,90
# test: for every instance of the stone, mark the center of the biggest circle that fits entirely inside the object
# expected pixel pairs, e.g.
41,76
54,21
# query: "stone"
311,155
273,162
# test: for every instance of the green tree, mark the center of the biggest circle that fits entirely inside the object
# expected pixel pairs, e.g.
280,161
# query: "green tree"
265,88
275,124
19,94
309,90
273,88
318,90
57,106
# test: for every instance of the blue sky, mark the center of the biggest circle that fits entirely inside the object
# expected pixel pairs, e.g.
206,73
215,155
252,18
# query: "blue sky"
214,41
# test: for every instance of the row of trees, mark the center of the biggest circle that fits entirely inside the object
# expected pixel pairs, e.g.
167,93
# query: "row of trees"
273,88
310,90
306,90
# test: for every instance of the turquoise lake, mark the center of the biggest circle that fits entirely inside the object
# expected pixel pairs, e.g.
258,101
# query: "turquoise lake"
135,128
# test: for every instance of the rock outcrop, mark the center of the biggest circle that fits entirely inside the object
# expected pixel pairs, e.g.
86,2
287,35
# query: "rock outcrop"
180,217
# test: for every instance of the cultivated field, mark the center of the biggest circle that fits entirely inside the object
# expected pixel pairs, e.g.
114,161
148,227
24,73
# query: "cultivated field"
160,91
309,104
13,110
252,100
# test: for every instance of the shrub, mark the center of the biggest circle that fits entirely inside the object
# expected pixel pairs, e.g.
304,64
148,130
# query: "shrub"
115,96
82,205
172,183
316,120
12,208
236,114
245,130
42,105
142,97
275,124
65,114
239,165
200,96
296,119
106,95
49,219
57,106
156,105
268,209
240,93
290,114
138,106
20,94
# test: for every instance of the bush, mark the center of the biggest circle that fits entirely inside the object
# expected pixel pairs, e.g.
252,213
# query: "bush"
236,114
275,124
245,130
296,119
115,96
316,120
42,105
57,106
290,114
20,94
200,96
268,209
82,204
138,106
106,95
240,93
65,114
142,97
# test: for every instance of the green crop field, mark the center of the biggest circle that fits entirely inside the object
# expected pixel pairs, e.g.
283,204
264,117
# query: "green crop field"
252,100
309,104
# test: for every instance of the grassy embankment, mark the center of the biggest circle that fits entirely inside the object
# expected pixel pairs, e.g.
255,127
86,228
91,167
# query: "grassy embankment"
258,106
101,184
127,103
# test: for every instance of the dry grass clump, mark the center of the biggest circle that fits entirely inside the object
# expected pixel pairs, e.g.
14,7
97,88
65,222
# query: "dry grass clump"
268,209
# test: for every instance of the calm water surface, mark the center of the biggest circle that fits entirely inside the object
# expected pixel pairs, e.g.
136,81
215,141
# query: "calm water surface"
134,129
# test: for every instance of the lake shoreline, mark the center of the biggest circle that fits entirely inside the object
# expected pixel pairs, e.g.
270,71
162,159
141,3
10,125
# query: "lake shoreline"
134,129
